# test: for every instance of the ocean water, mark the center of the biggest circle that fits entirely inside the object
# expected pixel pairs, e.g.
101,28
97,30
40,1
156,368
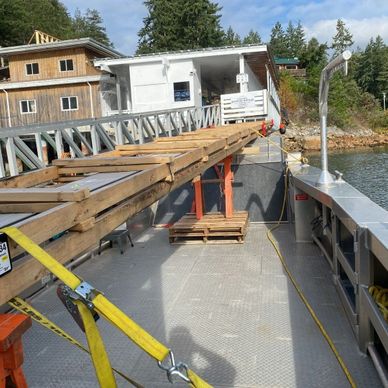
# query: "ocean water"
366,170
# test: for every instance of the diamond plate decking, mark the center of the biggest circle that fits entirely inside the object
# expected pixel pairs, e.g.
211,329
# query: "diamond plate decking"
228,311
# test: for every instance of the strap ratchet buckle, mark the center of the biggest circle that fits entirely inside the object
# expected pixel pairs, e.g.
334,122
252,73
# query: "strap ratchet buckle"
85,293
179,369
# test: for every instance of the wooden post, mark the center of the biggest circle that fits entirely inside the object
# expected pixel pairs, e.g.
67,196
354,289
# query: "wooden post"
228,187
198,197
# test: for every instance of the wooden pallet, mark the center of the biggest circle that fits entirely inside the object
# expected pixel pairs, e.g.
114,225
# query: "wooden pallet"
213,228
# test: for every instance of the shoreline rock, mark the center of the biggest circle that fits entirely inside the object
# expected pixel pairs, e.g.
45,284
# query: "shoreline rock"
301,139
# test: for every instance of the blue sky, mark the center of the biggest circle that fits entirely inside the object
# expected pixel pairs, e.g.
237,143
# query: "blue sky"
365,18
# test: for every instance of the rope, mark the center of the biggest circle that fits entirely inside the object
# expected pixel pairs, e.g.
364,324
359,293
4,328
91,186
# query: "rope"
302,159
301,294
380,295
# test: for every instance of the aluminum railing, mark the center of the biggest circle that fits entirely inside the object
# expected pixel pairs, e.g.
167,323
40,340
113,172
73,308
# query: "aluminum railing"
33,146
352,233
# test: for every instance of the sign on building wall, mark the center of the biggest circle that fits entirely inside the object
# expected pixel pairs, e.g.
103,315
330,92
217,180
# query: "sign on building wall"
242,78
242,101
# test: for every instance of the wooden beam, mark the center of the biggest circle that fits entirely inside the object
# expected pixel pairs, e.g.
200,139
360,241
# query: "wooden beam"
30,179
84,225
42,195
113,161
90,169
34,207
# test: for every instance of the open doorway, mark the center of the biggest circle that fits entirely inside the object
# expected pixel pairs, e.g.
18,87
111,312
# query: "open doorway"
218,76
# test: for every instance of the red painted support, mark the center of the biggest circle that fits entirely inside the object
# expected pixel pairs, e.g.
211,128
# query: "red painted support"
12,327
263,128
198,198
228,176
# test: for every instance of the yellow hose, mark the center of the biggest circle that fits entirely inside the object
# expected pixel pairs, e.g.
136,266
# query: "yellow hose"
301,294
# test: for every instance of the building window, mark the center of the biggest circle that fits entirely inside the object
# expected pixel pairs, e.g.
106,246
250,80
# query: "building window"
69,103
27,106
32,68
182,91
66,65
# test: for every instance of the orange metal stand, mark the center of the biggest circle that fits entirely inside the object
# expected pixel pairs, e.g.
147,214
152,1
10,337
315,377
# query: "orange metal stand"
198,198
228,176
12,327
227,179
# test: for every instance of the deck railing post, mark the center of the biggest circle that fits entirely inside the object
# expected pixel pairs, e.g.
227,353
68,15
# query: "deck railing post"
336,64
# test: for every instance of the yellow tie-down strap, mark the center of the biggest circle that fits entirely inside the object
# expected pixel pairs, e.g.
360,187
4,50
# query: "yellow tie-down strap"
105,308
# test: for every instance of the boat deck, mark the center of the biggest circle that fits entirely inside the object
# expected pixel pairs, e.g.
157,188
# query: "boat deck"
229,311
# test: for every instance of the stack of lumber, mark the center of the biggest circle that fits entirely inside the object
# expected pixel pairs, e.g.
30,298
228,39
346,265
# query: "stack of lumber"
89,197
212,228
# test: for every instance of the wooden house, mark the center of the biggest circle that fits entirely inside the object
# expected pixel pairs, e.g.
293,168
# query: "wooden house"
291,66
54,81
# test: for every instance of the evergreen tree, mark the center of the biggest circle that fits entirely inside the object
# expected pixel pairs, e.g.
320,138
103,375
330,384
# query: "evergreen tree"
252,38
179,25
289,37
19,19
313,55
296,40
200,24
89,25
160,27
278,41
342,40
231,38
371,72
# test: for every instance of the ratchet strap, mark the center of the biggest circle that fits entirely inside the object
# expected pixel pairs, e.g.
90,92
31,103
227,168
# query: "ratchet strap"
25,308
92,299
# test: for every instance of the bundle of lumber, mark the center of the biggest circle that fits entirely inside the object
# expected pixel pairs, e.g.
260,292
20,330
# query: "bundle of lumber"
84,199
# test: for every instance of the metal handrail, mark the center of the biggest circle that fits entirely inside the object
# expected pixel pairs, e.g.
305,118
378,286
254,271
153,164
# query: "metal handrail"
96,134
336,64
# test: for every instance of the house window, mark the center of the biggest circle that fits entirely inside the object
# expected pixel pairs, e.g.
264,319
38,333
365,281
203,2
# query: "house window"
66,65
182,91
27,106
69,103
32,68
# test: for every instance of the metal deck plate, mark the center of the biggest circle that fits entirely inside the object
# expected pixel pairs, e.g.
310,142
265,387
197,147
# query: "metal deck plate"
229,311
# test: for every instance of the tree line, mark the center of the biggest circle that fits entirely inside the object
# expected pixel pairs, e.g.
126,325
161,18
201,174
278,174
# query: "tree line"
180,24
19,19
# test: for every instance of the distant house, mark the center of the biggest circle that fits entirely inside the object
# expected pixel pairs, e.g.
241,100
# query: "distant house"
290,65
54,81
243,78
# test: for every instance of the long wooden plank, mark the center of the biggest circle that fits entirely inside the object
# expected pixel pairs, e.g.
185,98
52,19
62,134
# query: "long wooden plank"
42,195
151,151
30,179
89,169
114,161
34,207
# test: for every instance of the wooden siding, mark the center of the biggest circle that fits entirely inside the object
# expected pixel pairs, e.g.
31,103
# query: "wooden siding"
48,104
90,69
49,64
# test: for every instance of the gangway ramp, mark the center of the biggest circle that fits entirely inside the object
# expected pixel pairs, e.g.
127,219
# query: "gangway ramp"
85,209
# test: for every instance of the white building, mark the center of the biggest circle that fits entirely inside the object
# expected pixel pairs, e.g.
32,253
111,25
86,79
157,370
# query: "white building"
243,79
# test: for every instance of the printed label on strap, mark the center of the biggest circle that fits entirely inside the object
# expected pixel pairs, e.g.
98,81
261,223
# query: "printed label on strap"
5,257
